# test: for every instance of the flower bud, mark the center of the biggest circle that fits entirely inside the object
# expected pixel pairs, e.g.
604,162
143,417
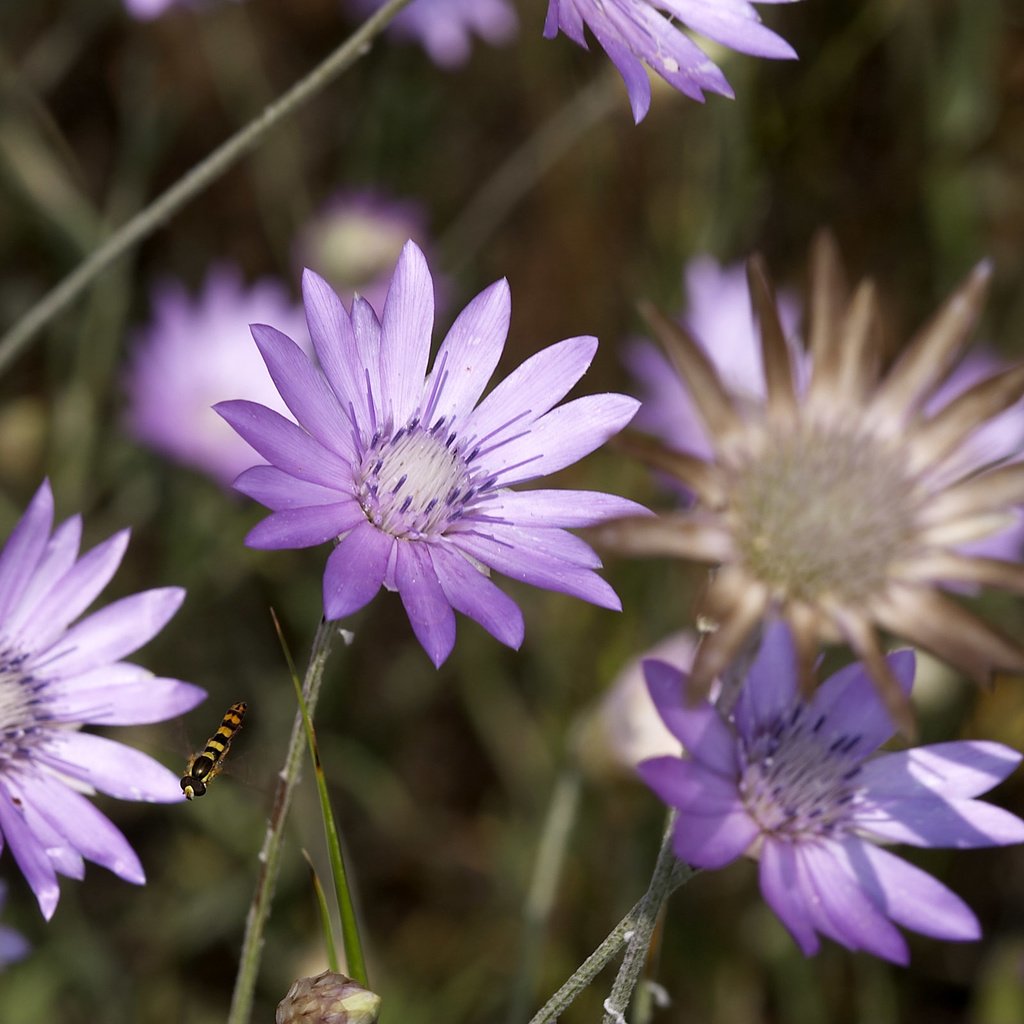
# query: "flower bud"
328,999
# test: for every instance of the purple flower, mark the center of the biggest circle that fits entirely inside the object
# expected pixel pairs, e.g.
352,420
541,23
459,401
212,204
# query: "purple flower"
354,240
445,28
410,475
793,784
196,352
13,946
58,675
638,32
147,10
720,317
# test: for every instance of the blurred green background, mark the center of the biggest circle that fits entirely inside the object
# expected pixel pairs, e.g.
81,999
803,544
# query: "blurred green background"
902,127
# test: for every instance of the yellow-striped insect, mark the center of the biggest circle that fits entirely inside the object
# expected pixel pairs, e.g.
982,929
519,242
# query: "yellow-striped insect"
202,768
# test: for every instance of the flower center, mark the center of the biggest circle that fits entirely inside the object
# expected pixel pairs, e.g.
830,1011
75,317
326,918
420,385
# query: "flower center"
822,512
19,718
797,782
416,482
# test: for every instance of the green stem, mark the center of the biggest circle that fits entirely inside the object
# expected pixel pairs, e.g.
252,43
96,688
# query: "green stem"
270,854
640,939
161,209
679,875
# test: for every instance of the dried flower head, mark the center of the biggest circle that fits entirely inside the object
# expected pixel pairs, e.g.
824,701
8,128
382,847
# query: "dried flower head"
845,506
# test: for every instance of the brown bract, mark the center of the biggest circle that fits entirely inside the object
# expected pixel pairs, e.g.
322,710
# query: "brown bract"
841,508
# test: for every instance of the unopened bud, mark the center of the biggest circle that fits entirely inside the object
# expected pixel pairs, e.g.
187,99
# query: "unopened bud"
328,999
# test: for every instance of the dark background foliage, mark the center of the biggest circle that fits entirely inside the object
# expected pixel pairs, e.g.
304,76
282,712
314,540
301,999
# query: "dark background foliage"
902,127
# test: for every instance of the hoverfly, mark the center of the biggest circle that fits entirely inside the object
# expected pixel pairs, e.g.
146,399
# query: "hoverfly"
203,768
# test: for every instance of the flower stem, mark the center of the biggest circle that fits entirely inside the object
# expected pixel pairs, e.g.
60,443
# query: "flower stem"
270,854
679,875
168,203
640,939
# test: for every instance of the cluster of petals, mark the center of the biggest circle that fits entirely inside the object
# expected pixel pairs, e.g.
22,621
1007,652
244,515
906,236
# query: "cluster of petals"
445,28
196,351
797,785
847,499
57,675
638,32
410,475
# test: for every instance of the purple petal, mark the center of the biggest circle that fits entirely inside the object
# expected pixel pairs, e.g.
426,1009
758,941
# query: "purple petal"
334,343
532,388
933,821
91,833
24,548
57,559
305,527
858,923
850,701
355,571
286,445
740,30
305,391
780,880
75,591
279,490
470,592
367,330
771,683
908,895
110,767
405,333
563,436
28,852
430,614
691,787
538,570
958,769
562,508
122,694
469,354
638,85
562,14
551,544
700,729
114,631
712,842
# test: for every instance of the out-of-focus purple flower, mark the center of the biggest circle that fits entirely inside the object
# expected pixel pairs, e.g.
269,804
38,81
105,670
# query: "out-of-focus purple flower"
196,352
720,317
147,10
355,239
411,475
445,28
58,675
13,945
638,32
793,784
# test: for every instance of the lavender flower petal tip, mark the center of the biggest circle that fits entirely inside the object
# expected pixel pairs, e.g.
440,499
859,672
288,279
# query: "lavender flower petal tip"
59,674
410,473
799,786
638,32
